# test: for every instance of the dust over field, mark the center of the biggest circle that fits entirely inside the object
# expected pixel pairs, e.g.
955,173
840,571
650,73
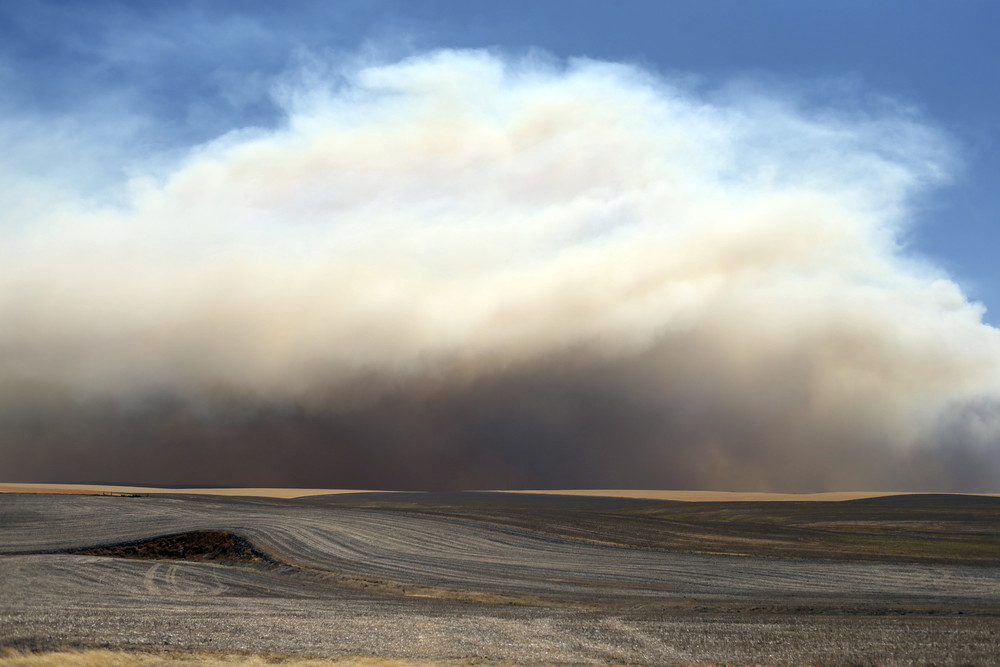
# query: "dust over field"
492,577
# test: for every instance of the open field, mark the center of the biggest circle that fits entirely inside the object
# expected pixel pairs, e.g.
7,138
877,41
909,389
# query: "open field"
502,577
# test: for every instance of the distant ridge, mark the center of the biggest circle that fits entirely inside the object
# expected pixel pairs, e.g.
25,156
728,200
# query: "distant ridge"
648,494
111,489
741,496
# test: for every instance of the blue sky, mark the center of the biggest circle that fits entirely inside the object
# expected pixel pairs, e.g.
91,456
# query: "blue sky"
193,70
414,244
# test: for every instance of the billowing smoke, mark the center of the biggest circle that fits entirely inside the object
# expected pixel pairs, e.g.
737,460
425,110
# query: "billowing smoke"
470,271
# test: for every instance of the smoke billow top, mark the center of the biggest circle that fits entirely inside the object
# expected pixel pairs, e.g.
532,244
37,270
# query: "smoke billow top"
470,271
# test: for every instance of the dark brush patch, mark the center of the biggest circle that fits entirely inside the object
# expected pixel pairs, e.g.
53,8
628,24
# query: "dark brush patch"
211,545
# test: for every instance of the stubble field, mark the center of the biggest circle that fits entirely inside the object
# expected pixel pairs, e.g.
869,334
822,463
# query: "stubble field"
491,577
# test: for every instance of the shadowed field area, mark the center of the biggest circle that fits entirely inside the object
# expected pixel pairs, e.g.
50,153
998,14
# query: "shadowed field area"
906,528
504,577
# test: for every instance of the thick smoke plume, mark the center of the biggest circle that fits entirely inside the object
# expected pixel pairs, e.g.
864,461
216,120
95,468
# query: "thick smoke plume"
467,271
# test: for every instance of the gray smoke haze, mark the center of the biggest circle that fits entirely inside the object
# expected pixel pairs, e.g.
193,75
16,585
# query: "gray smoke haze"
464,270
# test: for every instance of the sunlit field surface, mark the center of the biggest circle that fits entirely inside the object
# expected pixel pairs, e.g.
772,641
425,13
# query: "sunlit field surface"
496,577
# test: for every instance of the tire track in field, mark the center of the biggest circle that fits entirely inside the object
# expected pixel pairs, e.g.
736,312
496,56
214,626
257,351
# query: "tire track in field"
149,581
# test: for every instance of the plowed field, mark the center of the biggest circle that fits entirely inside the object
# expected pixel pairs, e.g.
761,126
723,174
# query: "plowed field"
495,577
